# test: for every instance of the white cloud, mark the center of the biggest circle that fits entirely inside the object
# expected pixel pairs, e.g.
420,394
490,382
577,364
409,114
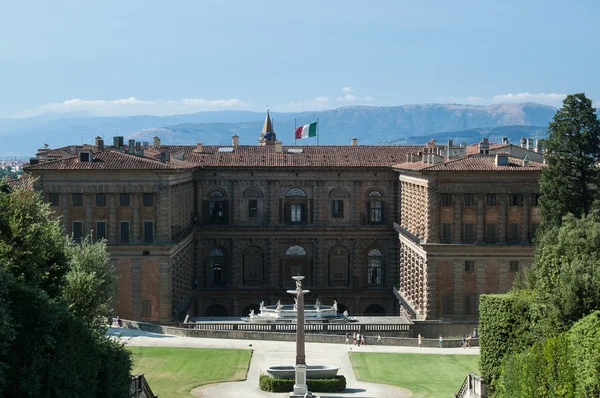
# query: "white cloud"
348,89
134,106
554,99
347,97
315,104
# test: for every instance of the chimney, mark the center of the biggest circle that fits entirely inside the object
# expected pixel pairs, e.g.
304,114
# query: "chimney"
539,146
131,146
484,147
156,141
145,145
278,147
235,141
354,141
505,141
138,146
99,143
198,147
523,142
118,142
165,157
33,161
526,161
530,144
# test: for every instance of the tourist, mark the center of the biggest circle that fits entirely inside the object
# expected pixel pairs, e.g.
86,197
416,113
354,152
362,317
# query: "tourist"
363,340
464,341
420,340
441,341
379,341
354,338
468,341
347,338
358,338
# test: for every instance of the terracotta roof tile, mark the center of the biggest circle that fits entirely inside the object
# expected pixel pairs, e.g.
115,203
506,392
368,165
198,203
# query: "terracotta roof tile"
474,148
24,182
112,159
473,163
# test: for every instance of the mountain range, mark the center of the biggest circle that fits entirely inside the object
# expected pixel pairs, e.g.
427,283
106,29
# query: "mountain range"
407,124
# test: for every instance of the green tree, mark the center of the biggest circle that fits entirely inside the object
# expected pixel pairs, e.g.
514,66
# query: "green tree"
90,283
569,183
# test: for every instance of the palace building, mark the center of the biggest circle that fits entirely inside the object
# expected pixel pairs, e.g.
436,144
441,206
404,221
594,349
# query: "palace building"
214,230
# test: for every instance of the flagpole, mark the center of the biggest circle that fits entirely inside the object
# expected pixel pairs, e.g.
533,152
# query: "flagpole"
294,131
317,131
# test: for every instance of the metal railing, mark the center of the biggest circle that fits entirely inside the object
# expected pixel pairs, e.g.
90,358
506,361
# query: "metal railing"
337,328
140,388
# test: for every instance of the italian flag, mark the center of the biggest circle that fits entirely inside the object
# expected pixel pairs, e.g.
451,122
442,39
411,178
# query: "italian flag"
308,130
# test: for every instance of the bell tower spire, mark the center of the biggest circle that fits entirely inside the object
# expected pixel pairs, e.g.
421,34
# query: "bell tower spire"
267,135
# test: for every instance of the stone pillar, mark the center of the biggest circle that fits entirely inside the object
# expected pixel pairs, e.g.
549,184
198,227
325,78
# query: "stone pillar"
113,236
433,225
525,220
480,273
89,226
355,203
458,267
136,218
136,289
64,202
163,214
501,218
458,218
234,215
431,289
480,219
165,288
268,206
502,276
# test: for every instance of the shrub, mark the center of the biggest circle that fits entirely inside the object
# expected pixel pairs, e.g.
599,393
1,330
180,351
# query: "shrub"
336,384
584,339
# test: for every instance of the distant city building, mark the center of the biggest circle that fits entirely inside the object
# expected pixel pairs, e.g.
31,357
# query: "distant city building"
215,230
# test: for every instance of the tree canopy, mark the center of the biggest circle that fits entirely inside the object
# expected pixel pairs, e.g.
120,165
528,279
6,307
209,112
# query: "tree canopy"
570,182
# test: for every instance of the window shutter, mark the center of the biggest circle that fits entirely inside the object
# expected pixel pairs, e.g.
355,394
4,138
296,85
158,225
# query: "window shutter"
205,212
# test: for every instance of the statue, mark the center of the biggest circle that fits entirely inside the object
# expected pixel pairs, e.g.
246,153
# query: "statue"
335,305
251,314
295,304
262,305
346,313
318,305
278,305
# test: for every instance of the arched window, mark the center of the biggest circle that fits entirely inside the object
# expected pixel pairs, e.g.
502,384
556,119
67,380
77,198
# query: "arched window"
295,206
295,251
338,199
253,203
375,267
375,208
216,269
215,209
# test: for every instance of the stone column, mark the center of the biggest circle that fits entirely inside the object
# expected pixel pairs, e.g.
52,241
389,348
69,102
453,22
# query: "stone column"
433,226
163,214
480,219
458,267
501,217
234,215
431,289
525,220
136,288
480,273
502,276
112,218
355,202
165,288
64,204
89,226
458,218
136,218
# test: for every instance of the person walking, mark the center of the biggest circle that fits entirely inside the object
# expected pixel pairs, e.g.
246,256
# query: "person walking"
441,341
379,341
420,339
464,341
354,338
347,338
363,339
358,338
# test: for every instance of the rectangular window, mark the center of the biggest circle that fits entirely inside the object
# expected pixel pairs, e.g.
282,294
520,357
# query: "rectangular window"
446,199
469,233
77,231
252,208
470,304
469,266
100,200
146,308
124,232
374,269
513,266
534,228
535,199
296,212
491,200
469,200
148,199
490,233
217,212
77,199
448,304
516,199
100,230
148,231
124,199
53,198
376,212
513,232
446,232
337,208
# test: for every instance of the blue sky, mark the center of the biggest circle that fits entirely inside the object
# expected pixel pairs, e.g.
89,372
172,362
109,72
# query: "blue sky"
132,57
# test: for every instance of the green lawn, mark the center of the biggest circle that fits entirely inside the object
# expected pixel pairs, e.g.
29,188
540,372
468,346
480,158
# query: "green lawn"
426,375
174,372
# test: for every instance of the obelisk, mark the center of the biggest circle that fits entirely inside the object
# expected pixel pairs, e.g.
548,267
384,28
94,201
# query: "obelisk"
300,387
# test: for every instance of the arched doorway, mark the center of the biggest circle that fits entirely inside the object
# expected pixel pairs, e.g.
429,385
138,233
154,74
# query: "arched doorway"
374,310
216,310
296,262
251,307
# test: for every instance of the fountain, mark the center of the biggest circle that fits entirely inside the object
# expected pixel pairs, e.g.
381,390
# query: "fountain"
301,371
287,313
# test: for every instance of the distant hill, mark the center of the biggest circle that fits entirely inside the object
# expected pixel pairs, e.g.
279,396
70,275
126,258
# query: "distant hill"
371,125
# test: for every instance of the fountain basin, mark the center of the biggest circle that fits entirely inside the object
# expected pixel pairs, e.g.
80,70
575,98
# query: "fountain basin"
312,372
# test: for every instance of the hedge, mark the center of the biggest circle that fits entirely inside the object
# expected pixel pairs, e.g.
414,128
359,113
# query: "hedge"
336,384
584,339
505,327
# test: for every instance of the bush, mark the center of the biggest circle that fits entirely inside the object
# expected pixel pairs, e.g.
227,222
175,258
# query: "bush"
505,327
584,339
336,384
